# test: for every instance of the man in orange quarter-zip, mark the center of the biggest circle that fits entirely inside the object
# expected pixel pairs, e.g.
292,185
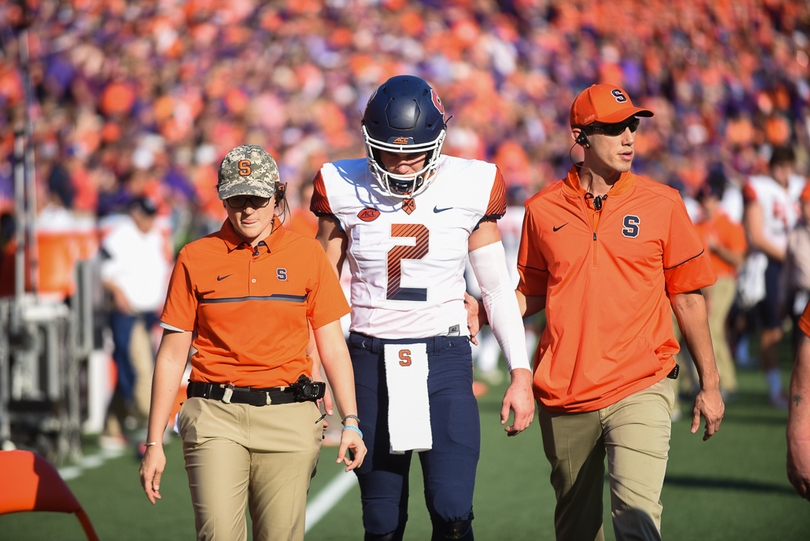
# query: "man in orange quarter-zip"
608,254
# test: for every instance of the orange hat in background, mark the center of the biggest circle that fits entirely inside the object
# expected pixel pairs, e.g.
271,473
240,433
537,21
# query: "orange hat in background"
604,103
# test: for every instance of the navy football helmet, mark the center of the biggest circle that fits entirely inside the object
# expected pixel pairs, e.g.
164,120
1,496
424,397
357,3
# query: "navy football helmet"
404,115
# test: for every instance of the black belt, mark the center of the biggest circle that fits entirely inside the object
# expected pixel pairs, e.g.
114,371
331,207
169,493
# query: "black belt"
674,373
241,395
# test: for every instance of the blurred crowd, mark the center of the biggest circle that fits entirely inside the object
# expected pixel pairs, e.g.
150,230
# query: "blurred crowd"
134,98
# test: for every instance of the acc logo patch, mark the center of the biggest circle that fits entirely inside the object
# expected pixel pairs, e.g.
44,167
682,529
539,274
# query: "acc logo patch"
368,214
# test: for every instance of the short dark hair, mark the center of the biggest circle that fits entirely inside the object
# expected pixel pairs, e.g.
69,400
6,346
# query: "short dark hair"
782,155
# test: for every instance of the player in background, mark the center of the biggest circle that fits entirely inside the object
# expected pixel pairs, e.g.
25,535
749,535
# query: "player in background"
798,429
608,255
771,211
406,218
724,241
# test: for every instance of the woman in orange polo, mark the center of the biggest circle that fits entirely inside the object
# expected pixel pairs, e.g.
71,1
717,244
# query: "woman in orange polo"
244,298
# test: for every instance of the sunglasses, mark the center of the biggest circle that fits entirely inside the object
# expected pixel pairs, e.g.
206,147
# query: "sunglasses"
238,202
616,129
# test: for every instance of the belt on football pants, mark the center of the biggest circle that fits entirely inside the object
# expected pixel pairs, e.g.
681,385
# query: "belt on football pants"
241,395
674,373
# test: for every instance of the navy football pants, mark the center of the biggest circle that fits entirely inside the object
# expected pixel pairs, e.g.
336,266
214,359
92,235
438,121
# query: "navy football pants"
449,467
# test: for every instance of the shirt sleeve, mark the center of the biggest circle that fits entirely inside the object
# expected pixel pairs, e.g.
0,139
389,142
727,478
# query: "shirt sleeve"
686,263
532,266
804,321
326,302
497,198
319,204
180,310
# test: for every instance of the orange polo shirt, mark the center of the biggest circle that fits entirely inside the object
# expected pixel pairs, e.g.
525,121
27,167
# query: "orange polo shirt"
804,321
728,234
250,308
607,276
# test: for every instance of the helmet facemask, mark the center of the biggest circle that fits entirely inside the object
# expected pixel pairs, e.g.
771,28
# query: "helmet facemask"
403,186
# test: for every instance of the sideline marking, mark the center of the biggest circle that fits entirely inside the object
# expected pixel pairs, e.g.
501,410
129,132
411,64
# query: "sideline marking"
90,461
328,497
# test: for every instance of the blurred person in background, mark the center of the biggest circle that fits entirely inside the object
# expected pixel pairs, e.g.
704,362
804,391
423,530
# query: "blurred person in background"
608,254
771,212
724,241
798,429
135,264
797,265
406,217
244,298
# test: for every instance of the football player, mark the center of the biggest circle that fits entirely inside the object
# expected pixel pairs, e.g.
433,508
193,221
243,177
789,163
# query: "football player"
406,218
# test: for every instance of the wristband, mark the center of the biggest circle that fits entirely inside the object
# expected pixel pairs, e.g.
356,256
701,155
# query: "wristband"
355,417
150,444
350,427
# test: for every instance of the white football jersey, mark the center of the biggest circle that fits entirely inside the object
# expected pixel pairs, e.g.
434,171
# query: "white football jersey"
780,206
407,256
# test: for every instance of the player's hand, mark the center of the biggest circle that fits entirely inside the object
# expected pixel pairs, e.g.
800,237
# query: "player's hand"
519,399
709,404
351,441
152,466
476,316
798,465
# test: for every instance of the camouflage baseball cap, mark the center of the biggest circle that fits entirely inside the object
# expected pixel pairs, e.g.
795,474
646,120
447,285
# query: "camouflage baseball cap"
247,170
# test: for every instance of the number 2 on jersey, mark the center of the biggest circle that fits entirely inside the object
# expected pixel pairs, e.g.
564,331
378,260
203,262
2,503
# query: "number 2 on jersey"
398,253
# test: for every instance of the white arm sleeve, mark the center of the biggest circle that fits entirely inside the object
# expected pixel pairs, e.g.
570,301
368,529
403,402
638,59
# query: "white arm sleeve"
500,302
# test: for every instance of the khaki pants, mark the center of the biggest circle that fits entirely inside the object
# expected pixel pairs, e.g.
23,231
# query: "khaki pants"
237,454
721,297
634,435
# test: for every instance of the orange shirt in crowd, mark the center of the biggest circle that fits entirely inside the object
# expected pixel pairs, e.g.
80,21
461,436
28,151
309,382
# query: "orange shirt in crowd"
607,277
250,308
728,234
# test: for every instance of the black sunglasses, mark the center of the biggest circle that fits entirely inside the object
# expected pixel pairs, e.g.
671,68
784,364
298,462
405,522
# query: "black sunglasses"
238,202
615,129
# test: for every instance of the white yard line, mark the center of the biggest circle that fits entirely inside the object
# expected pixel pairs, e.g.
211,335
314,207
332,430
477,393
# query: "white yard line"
328,497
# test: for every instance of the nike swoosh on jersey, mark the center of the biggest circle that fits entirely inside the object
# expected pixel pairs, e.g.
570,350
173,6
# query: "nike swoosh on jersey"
560,227
436,209
220,278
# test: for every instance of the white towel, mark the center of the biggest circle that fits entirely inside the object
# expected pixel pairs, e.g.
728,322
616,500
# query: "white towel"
406,369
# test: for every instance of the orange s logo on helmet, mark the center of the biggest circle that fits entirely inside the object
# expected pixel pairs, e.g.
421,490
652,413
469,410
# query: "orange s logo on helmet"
368,214
437,101
244,167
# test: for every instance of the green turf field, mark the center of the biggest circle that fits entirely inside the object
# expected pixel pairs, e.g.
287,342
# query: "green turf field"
732,487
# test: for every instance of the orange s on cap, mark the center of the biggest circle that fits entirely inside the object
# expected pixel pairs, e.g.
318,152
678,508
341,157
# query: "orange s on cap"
604,103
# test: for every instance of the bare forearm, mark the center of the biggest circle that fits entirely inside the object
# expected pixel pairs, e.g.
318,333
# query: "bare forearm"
338,366
169,367
799,409
690,311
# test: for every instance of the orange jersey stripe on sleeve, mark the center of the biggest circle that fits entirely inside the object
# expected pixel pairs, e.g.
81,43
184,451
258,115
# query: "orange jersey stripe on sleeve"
497,198
320,203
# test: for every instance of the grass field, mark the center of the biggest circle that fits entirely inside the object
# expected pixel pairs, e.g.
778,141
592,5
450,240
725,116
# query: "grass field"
732,487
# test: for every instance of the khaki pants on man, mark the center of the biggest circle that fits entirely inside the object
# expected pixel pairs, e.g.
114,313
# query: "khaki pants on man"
261,456
634,435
